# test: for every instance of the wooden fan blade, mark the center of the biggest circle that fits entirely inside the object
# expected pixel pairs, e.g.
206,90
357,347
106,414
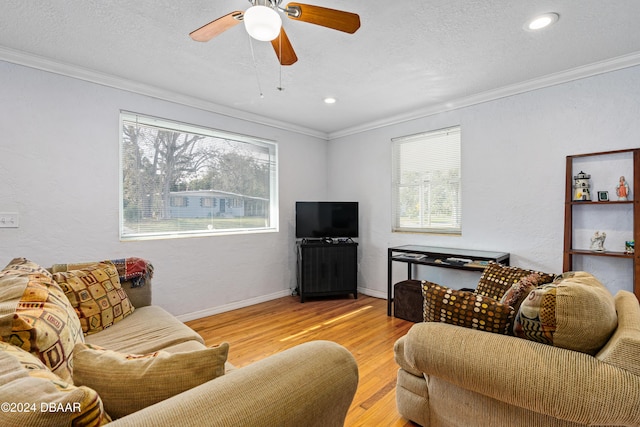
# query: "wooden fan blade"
283,48
214,28
330,18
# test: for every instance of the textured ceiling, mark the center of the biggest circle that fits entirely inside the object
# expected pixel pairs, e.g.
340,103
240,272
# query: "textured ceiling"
409,57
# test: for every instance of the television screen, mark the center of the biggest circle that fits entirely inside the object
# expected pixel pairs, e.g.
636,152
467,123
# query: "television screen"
326,219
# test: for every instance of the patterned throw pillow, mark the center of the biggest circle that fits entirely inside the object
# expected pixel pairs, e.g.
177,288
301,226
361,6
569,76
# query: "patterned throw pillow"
536,319
465,309
96,295
42,321
27,360
575,312
41,397
496,279
13,281
519,291
128,383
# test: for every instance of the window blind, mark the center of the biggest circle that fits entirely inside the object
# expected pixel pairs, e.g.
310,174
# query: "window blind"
426,172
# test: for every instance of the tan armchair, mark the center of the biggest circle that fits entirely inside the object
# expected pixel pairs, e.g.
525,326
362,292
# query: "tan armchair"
455,376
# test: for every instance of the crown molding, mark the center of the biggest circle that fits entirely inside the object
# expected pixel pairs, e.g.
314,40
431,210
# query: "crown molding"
46,64
89,75
618,63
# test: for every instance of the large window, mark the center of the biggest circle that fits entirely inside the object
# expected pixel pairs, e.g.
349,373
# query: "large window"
182,180
426,182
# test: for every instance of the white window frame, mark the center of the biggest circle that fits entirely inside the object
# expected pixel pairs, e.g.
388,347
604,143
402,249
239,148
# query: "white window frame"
423,156
271,221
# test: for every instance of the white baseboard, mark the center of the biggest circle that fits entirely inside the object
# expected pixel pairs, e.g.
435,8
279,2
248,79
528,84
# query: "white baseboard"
373,293
264,298
233,306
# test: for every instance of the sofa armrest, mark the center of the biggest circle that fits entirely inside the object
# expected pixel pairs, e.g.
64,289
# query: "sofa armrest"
565,384
140,296
312,384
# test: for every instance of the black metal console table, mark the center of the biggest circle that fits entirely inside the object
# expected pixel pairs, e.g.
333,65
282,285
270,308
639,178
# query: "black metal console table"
460,259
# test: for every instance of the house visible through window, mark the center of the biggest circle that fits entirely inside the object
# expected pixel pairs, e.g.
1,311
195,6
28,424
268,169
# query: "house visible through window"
207,202
183,180
426,182
181,202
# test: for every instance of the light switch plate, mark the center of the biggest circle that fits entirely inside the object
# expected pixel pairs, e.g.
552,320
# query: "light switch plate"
8,219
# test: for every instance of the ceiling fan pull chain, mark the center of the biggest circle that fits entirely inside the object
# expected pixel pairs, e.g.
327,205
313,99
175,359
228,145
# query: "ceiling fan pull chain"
280,88
255,67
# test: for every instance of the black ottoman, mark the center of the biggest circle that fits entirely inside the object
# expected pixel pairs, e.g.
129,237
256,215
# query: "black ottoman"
408,300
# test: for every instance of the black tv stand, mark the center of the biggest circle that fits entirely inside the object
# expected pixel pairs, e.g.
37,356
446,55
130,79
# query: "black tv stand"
327,267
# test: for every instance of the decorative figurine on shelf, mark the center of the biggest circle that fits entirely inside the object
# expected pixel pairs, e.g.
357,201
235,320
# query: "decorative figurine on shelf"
622,189
629,247
597,241
581,187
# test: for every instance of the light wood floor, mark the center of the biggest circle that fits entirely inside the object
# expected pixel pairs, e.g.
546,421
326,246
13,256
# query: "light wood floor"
361,325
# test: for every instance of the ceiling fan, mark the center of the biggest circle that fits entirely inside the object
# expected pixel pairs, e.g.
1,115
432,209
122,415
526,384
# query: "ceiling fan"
262,21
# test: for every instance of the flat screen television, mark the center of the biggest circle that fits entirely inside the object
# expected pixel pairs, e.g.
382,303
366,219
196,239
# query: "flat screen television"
326,219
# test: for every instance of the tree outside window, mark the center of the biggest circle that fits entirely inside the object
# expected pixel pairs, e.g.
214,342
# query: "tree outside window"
169,168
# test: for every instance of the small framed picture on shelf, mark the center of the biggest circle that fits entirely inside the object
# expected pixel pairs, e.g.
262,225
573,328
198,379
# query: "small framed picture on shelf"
603,196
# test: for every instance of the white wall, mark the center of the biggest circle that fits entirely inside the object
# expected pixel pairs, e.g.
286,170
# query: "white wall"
59,165
59,170
513,177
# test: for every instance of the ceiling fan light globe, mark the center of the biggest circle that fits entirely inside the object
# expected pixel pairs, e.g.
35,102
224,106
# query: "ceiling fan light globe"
262,23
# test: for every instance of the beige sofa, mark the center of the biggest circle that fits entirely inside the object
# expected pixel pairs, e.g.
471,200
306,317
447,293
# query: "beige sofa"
312,384
457,376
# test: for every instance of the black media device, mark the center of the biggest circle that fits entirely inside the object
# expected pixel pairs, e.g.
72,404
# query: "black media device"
326,220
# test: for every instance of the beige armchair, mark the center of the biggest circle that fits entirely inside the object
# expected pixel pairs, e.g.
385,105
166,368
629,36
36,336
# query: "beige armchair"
455,376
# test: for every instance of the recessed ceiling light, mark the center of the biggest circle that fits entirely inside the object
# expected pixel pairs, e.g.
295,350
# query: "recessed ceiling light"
330,100
542,21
